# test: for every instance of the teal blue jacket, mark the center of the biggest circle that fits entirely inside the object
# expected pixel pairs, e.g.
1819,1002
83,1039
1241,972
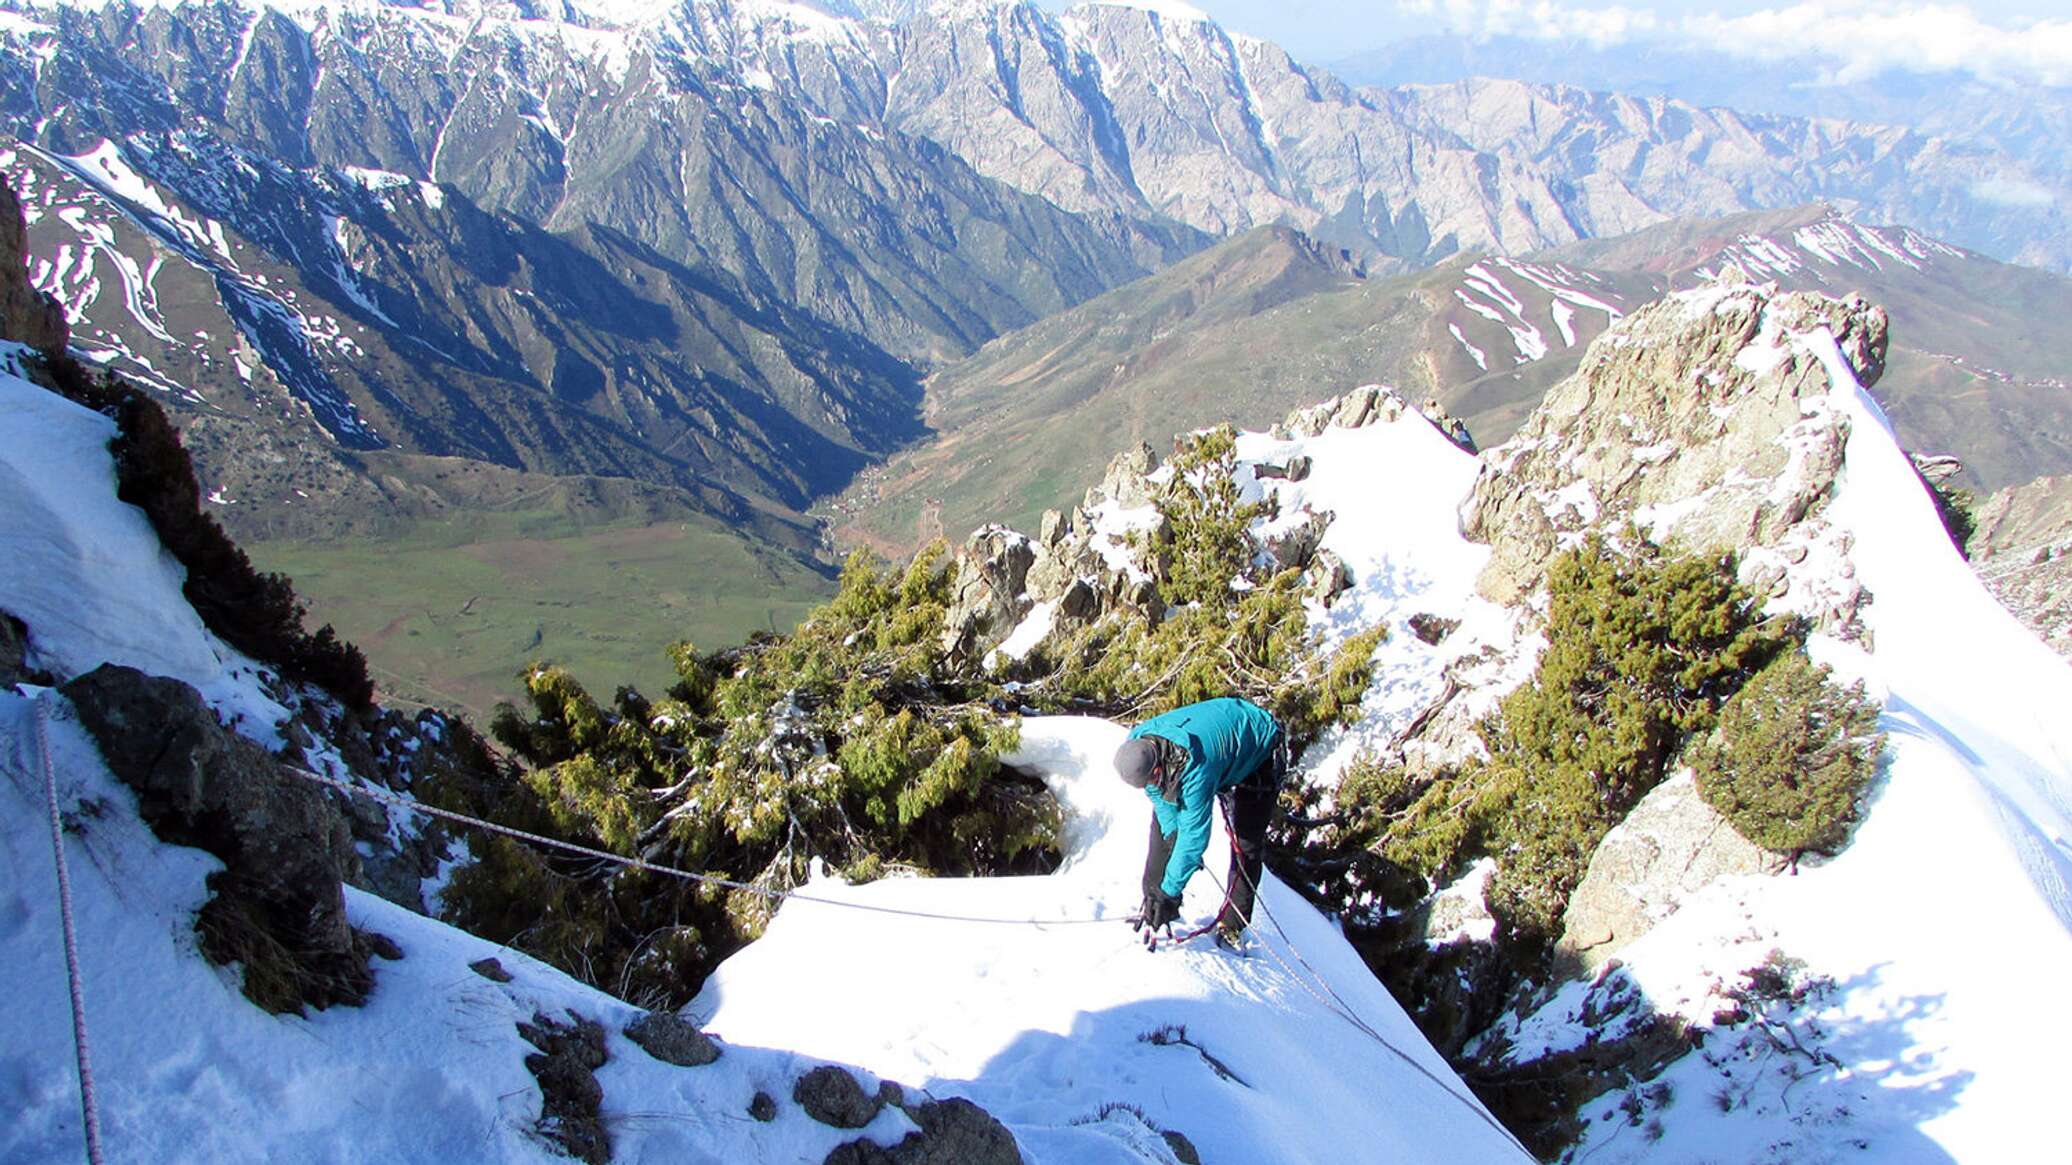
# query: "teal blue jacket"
1226,740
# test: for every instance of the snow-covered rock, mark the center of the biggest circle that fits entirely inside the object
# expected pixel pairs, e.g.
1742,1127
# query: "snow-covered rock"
1669,848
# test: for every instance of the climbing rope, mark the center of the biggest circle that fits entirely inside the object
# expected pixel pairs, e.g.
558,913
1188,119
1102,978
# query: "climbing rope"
89,1104
1337,1005
644,865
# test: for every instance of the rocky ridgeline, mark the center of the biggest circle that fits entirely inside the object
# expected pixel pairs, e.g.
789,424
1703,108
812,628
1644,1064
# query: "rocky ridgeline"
1703,422
1091,561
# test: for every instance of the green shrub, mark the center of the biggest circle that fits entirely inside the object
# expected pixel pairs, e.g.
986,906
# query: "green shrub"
1205,543
857,741
849,741
1791,757
1642,649
1218,624
1255,643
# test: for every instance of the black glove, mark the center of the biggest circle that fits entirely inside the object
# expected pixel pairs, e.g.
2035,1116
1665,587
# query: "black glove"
1160,909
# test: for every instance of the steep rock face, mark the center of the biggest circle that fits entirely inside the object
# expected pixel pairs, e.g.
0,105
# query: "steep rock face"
668,132
560,248
989,596
27,316
1118,107
1699,419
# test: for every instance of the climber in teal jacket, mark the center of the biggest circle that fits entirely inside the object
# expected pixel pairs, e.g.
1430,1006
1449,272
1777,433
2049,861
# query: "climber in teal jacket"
1184,760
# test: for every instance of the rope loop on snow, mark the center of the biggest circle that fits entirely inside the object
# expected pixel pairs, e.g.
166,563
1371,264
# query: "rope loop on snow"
89,1103
646,866
1337,1005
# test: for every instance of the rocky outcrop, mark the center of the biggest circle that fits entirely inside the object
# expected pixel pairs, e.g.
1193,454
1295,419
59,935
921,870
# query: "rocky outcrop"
279,904
1362,406
1088,562
2021,547
1078,571
1294,545
1671,846
1702,419
990,594
27,316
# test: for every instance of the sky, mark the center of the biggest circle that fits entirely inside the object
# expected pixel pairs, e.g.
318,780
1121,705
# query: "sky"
2013,40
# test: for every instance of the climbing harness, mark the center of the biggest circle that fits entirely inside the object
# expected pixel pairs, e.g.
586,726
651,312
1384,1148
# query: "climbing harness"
89,1103
644,865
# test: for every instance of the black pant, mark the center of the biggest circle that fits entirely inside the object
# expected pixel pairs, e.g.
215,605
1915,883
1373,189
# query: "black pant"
1250,805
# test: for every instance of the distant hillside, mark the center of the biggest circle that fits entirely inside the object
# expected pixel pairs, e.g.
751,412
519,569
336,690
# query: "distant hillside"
1242,332
1256,325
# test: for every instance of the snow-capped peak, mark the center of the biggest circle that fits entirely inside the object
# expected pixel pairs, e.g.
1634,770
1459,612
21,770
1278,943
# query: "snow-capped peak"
1164,9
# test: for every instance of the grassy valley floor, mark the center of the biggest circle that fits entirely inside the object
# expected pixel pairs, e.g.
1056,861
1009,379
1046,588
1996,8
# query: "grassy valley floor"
448,612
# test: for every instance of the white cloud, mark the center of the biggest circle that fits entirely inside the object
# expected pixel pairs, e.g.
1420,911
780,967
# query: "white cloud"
1543,19
1854,39
2013,192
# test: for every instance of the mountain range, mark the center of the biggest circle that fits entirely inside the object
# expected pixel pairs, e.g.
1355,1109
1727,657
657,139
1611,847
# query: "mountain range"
2003,114
413,272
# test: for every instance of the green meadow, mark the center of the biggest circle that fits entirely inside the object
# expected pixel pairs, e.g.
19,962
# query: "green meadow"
450,611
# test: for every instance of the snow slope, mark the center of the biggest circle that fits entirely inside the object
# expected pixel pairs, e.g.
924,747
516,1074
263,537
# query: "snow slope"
431,1070
1048,1026
1946,926
86,572
1043,1025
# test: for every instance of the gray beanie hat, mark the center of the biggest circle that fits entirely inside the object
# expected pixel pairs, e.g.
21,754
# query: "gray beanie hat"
1135,760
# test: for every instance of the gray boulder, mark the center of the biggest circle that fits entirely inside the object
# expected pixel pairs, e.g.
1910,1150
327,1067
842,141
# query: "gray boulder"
990,594
952,1132
831,1095
1328,578
1670,847
279,904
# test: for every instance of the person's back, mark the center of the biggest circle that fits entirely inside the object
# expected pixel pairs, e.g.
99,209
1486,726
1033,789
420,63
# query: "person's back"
1228,737
1185,758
